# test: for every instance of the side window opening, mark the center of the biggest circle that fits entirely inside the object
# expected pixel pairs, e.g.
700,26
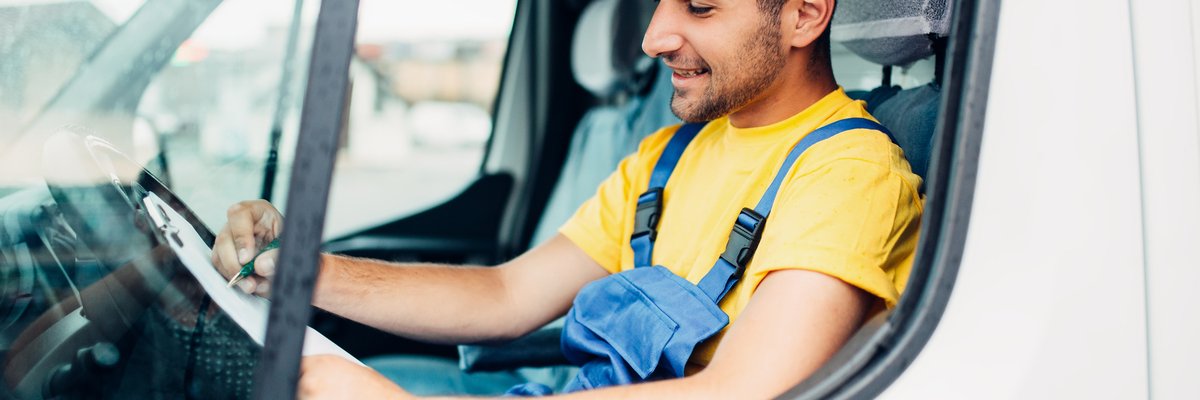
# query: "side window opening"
424,79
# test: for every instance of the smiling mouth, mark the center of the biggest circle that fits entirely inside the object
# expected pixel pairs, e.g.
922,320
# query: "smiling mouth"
689,73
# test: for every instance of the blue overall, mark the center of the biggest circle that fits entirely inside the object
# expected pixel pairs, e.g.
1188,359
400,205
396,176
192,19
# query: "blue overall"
643,324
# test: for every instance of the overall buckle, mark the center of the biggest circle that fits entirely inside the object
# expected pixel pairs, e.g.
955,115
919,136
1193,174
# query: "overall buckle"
743,239
649,210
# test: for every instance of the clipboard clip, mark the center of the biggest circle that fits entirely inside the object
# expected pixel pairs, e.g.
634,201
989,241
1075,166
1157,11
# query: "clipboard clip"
161,221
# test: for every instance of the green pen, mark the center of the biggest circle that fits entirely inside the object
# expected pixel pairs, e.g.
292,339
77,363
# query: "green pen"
249,267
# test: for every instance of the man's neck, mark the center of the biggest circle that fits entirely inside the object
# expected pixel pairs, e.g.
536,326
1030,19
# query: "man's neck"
796,90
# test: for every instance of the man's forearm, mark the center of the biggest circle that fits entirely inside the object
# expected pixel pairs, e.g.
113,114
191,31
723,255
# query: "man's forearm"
439,303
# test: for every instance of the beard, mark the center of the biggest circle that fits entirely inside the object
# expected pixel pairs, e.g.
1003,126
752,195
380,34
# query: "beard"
738,83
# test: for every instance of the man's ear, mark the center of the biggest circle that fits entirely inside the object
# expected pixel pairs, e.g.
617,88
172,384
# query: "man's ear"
811,17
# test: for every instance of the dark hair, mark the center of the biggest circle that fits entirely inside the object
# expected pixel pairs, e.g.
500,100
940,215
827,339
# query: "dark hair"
771,9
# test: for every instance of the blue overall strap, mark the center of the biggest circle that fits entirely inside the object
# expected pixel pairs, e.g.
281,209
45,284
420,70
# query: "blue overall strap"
650,203
747,229
825,132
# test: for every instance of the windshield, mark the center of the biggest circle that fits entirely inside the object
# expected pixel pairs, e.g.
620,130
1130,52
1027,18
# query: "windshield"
107,290
132,125
44,43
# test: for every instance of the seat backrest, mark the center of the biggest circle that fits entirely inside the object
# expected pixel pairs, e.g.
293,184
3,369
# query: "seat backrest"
911,115
634,94
898,32
874,97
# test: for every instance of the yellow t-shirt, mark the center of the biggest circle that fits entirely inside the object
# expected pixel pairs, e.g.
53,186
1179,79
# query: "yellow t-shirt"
849,207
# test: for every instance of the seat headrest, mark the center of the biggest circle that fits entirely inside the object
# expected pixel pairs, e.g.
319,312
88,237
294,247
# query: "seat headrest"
606,51
890,32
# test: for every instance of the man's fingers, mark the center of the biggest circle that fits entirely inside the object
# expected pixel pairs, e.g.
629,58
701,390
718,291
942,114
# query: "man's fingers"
264,265
247,285
241,220
255,285
238,243
263,289
216,258
225,254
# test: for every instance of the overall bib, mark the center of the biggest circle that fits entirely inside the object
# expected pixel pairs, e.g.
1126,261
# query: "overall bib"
643,324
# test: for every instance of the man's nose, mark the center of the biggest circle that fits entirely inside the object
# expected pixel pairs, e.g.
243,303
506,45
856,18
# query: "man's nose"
662,35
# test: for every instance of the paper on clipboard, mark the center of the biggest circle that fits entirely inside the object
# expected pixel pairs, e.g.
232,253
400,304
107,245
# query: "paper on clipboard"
248,311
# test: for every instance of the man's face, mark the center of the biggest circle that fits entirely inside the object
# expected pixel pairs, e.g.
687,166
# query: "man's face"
724,54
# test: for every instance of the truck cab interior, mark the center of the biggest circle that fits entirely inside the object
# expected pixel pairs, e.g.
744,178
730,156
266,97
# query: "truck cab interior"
529,117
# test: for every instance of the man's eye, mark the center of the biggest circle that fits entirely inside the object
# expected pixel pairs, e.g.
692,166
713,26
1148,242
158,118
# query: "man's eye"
698,10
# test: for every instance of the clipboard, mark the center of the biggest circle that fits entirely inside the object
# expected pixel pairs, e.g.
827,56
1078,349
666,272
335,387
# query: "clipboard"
248,311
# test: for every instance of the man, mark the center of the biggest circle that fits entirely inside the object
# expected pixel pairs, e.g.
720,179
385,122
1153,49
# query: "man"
839,242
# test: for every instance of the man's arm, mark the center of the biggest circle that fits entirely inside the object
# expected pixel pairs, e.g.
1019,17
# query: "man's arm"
458,304
447,304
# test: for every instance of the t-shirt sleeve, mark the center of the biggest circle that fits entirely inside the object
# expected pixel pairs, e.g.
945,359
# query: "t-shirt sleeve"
597,225
601,226
852,219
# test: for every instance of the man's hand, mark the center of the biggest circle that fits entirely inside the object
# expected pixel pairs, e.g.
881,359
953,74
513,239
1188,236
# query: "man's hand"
251,225
333,377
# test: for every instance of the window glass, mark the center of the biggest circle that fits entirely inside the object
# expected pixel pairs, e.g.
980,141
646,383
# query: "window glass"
855,73
115,101
424,78
43,43
214,107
